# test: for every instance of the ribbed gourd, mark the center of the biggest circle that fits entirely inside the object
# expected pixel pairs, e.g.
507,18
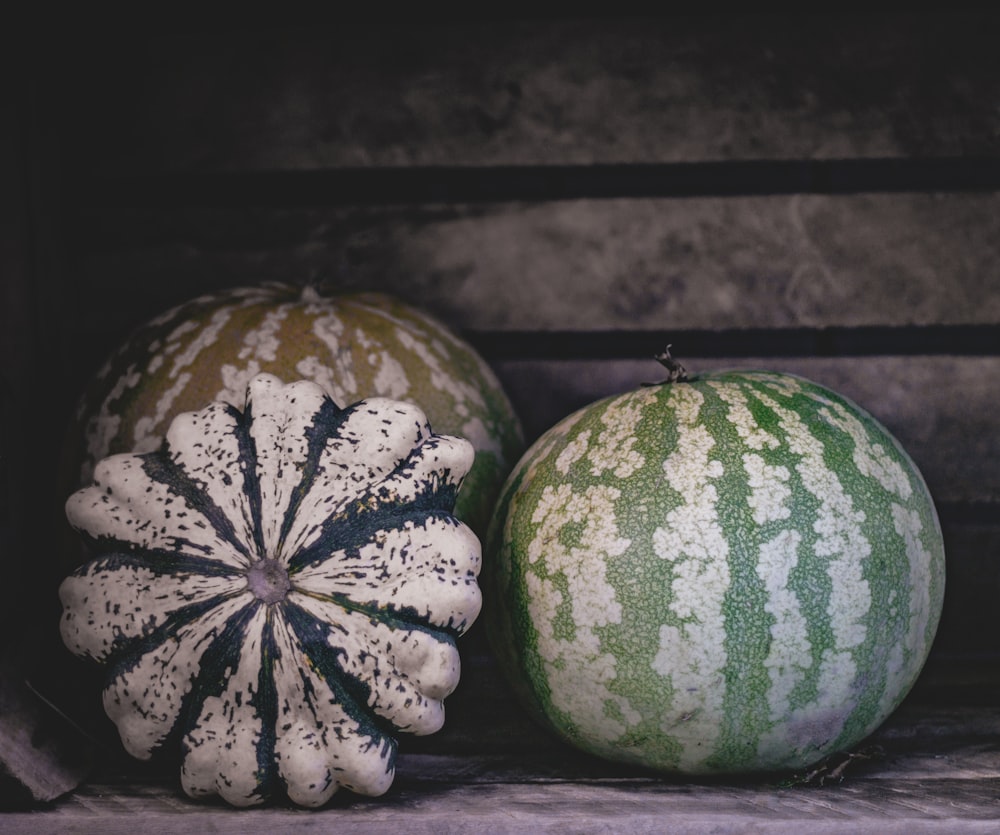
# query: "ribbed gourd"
729,573
276,591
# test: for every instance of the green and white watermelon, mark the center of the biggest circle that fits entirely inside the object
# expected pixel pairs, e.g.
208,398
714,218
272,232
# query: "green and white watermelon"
741,572
354,346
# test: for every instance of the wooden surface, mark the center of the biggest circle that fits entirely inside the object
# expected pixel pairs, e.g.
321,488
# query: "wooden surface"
672,88
815,194
699,262
934,767
40,758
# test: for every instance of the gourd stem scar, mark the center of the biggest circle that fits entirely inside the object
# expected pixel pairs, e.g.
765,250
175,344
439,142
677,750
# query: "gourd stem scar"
268,580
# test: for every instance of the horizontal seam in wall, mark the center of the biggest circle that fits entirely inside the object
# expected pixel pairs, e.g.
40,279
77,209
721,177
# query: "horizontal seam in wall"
490,184
879,340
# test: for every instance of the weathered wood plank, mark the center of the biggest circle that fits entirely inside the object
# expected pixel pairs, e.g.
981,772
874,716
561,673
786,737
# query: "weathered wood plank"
961,807
714,263
949,785
44,755
973,585
612,89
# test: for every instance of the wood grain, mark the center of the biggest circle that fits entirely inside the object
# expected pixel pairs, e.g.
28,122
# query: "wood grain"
946,782
41,754
774,262
675,87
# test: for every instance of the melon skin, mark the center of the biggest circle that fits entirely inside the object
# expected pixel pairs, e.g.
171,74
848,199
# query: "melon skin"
355,346
740,573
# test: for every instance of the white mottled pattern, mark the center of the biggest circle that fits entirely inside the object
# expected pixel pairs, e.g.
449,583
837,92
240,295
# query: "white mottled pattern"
592,604
342,390
769,490
871,459
842,545
573,452
462,393
206,336
542,448
175,337
104,426
228,728
614,448
335,371
692,655
478,434
390,379
790,653
908,525
740,416
146,435
262,343
783,384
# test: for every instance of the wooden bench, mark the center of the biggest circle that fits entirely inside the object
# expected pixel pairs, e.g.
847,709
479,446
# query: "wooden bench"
815,194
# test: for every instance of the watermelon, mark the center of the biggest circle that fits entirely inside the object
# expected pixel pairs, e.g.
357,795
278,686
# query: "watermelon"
353,345
731,573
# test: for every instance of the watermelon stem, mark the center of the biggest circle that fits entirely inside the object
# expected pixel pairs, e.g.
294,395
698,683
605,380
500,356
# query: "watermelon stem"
675,371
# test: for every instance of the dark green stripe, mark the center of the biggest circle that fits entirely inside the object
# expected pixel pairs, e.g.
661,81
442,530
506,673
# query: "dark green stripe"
266,700
251,482
126,657
157,560
318,642
747,621
397,617
886,570
218,663
160,467
636,577
374,510
326,425
808,579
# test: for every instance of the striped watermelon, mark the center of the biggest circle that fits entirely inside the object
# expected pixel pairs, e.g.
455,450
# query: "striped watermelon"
276,591
355,346
740,572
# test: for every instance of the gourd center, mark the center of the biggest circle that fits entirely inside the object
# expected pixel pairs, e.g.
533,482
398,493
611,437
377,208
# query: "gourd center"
268,580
